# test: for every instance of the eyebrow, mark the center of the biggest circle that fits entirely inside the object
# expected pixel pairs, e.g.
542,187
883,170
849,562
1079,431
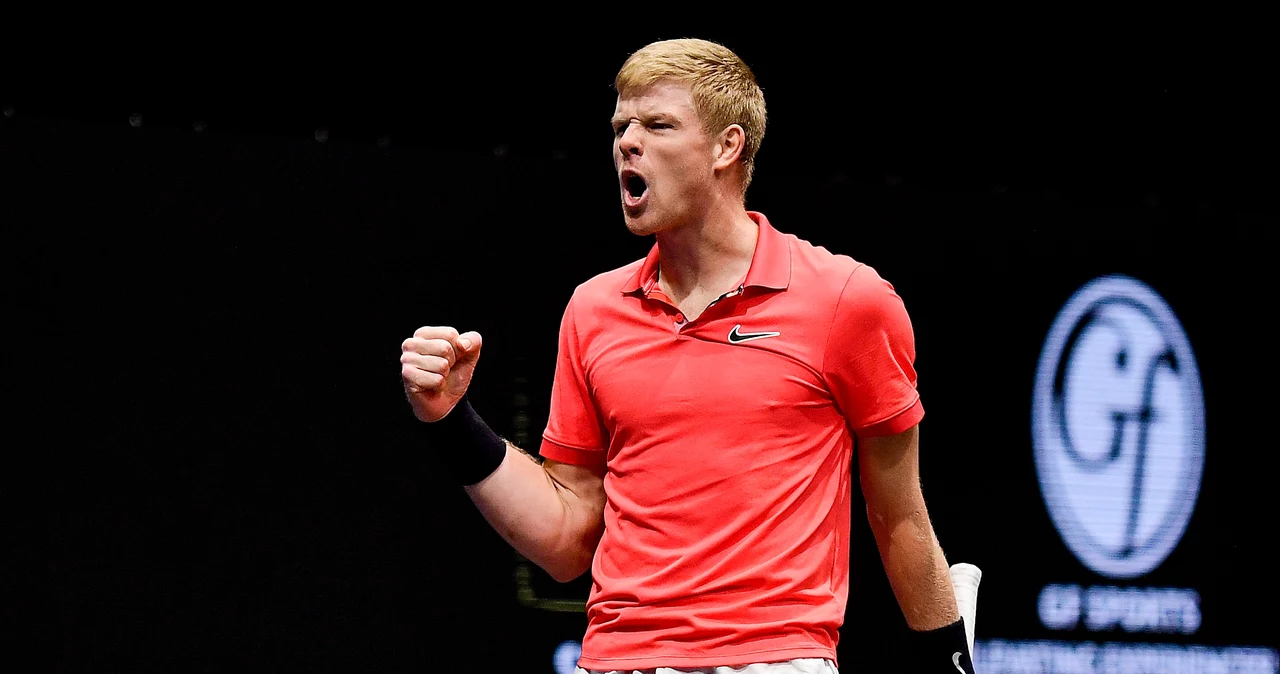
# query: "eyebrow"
654,117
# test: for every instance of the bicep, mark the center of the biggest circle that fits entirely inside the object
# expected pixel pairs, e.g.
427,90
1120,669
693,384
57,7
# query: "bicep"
889,469
582,489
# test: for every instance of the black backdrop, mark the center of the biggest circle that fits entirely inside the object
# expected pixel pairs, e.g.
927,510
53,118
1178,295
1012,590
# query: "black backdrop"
212,463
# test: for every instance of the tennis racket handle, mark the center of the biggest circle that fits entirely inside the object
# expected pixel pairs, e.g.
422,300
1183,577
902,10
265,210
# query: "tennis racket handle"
965,578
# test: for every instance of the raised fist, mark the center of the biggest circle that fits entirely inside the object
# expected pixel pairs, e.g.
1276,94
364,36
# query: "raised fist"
436,365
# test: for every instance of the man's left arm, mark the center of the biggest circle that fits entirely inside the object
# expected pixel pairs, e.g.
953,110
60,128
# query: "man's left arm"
913,560
868,362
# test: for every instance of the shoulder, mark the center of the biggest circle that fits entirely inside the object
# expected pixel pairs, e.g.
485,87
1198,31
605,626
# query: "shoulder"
865,284
869,304
607,284
857,290
595,299
819,271
604,287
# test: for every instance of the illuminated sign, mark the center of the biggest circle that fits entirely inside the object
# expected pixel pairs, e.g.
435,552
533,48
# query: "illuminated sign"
1118,439
1118,427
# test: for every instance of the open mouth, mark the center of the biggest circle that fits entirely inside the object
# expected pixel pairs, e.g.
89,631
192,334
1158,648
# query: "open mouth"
636,186
634,189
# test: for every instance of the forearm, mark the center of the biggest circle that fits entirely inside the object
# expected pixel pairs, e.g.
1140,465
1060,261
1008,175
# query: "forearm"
916,568
538,516
913,561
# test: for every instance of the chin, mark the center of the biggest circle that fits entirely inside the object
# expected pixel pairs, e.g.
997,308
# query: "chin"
640,225
647,220
639,230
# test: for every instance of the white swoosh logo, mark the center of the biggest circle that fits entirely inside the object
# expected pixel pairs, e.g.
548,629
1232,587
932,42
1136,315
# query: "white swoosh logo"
955,660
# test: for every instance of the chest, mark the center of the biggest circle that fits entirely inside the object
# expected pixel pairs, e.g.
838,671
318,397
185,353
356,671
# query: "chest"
742,361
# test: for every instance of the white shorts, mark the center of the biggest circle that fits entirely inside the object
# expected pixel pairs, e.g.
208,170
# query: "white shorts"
799,666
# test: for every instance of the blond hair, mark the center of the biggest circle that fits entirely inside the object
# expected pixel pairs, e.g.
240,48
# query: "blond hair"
724,89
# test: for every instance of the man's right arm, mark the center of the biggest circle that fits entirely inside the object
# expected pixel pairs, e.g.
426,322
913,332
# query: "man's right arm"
552,513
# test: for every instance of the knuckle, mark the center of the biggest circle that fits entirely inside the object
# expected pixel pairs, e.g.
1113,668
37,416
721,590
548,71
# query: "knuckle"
434,348
431,331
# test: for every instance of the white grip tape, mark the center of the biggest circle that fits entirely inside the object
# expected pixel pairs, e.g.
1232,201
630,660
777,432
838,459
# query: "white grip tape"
965,579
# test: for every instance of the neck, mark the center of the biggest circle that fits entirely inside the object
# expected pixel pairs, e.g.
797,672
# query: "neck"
710,255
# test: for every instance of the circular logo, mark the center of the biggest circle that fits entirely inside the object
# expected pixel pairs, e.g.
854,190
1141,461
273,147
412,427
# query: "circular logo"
1117,424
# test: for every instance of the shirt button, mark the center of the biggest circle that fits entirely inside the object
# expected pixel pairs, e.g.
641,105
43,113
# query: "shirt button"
679,318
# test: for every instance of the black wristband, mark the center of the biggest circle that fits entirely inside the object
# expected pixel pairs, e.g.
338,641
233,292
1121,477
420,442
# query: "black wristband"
466,444
941,650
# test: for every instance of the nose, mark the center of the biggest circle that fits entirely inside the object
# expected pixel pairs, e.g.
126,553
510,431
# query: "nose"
629,141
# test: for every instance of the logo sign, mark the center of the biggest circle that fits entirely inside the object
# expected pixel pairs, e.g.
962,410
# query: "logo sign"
1118,427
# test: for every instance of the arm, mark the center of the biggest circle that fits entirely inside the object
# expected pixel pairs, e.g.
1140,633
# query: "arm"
552,513
913,560
871,351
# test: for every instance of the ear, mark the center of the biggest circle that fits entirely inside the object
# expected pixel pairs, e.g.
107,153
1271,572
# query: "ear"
729,146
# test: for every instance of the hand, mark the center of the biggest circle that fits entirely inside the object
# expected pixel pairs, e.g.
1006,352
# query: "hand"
436,365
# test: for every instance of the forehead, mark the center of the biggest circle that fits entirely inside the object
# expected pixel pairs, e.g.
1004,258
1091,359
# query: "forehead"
660,98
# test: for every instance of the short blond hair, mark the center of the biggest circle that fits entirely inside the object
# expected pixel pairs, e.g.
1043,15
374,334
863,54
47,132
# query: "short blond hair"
724,89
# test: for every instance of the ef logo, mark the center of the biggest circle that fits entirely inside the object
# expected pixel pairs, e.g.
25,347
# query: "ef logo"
1117,424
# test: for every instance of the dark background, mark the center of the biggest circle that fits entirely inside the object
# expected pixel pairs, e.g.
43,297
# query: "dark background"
212,467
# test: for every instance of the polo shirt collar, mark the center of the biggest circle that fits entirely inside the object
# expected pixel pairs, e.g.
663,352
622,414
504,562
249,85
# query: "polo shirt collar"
770,264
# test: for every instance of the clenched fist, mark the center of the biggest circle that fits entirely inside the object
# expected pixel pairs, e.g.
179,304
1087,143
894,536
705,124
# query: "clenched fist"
436,365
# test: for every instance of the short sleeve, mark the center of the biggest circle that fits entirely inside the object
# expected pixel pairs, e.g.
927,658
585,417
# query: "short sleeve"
869,360
575,433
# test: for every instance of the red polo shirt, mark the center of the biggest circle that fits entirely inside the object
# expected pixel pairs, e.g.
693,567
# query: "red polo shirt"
728,442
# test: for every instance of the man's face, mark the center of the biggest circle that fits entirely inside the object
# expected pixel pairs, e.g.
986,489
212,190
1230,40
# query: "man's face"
663,158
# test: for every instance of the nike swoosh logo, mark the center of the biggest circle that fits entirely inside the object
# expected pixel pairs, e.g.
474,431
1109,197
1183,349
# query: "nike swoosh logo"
736,337
955,660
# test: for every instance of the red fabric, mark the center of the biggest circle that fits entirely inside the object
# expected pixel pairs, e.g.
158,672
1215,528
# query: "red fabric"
728,464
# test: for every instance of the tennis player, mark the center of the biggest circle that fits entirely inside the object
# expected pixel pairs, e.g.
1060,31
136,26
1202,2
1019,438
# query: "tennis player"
707,406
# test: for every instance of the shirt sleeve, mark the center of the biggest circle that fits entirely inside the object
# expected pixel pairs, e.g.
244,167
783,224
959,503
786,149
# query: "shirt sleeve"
869,358
575,433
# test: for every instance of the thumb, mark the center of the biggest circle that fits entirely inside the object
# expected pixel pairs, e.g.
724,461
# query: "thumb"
470,343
